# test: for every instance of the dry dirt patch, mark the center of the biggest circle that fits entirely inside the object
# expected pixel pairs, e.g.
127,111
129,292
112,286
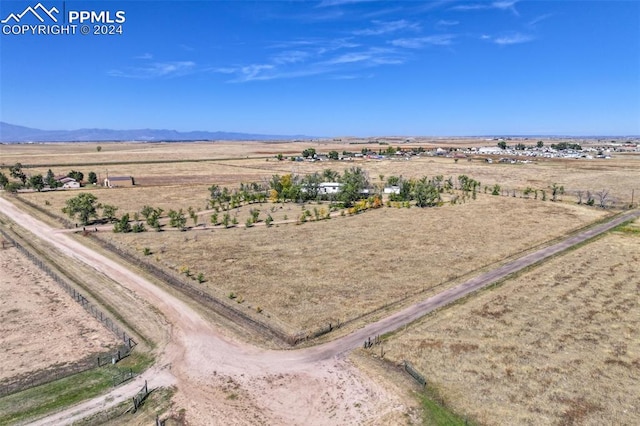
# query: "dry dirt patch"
40,325
556,345
318,273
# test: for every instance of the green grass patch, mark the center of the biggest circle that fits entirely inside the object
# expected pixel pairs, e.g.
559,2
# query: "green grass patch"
40,400
137,362
435,413
628,228
158,403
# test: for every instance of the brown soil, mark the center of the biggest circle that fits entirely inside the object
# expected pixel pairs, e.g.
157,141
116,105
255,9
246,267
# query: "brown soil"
40,325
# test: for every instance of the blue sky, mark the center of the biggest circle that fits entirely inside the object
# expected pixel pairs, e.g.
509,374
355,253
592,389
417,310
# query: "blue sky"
333,68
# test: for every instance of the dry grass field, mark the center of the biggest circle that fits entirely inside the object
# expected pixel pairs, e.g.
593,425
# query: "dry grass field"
40,325
556,345
319,272
183,185
204,163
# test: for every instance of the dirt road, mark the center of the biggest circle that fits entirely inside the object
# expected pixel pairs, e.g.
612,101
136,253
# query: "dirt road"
225,381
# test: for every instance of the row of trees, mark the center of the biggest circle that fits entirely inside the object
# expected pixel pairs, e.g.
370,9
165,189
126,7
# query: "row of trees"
335,155
225,198
354,186
520,146
418,189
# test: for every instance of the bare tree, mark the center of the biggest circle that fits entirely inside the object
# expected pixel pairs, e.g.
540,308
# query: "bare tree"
580,195
603,198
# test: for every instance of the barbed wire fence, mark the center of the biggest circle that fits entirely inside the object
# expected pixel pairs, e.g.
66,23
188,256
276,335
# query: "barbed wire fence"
51,374
207,299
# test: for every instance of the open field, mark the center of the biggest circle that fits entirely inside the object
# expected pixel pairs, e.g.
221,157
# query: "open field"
82,153
40,325
317,273
556,345
184,171
322,272
306,276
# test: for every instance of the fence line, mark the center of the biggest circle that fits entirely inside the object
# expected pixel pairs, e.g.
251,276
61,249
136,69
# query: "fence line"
67,223
215,303
139,397
76,295
123,377
49,375
219,304
414,373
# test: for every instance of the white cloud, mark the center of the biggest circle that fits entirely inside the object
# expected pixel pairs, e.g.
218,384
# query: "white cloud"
382,27
445,23
371,57
326,3
255,72
349,58
419,42
512,39
291,57
145,56
157,69
500,5
538,19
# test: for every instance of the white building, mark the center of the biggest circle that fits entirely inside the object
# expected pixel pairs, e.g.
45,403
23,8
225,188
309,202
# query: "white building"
329,188
392,189
69,183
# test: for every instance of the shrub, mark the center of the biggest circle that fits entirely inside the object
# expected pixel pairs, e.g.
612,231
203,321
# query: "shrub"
138,227
185,270
147,251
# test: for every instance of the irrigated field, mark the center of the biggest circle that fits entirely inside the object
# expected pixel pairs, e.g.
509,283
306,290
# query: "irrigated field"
556,345
40,325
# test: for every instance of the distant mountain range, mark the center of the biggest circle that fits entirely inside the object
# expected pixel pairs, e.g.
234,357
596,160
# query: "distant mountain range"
10,133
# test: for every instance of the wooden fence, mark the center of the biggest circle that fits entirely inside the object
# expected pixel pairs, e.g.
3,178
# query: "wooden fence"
139,397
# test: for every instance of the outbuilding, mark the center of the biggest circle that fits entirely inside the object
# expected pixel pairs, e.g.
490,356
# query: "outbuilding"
119,181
